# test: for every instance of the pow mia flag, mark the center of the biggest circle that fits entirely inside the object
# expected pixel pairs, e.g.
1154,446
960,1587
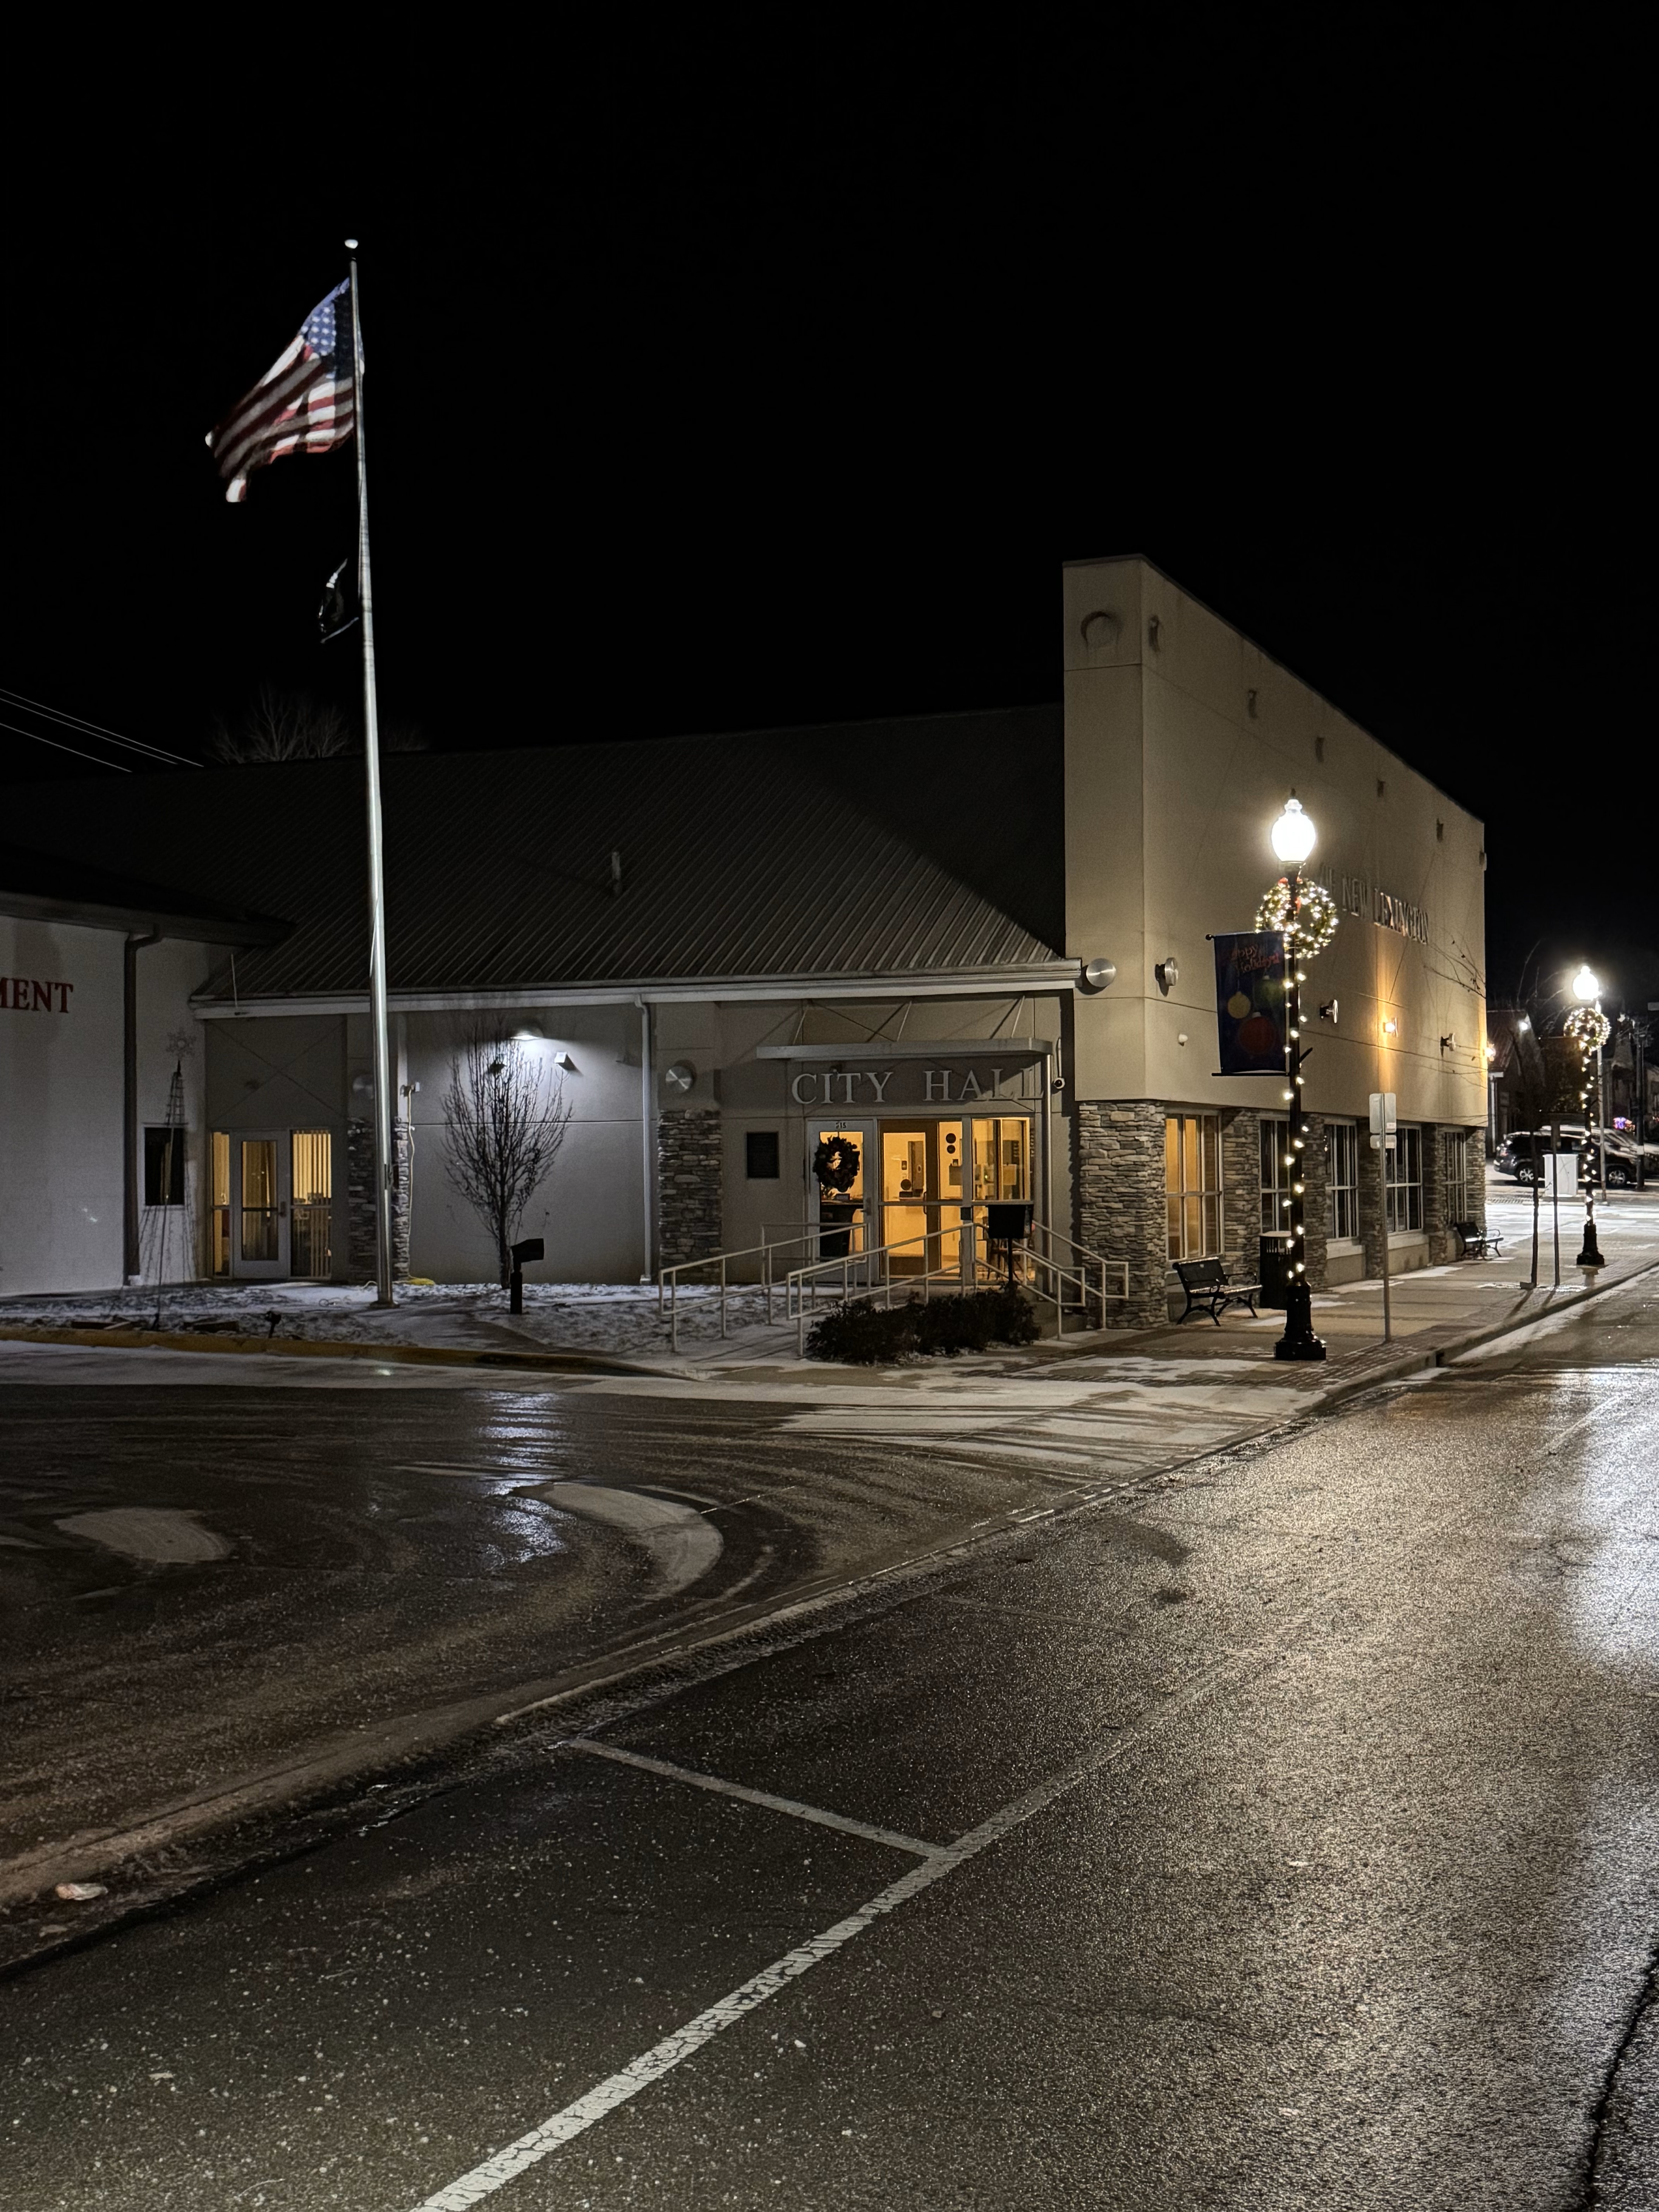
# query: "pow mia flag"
339,609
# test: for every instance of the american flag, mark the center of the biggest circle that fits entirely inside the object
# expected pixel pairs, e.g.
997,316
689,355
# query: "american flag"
304,402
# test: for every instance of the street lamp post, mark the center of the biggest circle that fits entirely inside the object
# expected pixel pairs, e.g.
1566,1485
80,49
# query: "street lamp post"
1293,840
1586,989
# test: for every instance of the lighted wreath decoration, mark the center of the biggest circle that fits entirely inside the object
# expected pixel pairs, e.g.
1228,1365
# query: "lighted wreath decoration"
1589,1028
835,1164
1316,919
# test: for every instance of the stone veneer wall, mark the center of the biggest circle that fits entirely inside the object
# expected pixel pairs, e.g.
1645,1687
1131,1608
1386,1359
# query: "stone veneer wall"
1435,1226
1241,1191
689,1184
1370,1203
361,1256
1119,1181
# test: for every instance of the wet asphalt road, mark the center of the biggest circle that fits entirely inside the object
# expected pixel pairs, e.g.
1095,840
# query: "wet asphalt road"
321,1562
1284,1834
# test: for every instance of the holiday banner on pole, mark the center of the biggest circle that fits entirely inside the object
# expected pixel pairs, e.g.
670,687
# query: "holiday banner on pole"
1249,1002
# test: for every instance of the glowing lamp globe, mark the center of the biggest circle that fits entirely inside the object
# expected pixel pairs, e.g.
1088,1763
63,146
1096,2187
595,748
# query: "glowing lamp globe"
1586,984
1293,835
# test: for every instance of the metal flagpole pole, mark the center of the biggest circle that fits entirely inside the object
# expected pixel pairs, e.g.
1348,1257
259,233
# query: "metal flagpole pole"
377,1005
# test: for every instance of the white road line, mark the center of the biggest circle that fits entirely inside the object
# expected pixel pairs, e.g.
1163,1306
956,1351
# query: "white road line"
763,1797
651,2065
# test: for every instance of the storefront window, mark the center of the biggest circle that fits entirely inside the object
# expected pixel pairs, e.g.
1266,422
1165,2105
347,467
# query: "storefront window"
1342,1179
1404,1181
1192,1181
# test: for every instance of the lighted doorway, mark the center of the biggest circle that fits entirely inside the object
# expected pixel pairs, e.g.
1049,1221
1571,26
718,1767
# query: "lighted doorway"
272,1210
931,1170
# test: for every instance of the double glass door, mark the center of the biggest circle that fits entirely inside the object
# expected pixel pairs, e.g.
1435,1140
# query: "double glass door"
931,1170
272,1211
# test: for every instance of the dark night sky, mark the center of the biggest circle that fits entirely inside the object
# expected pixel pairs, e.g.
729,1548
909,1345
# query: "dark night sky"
717,386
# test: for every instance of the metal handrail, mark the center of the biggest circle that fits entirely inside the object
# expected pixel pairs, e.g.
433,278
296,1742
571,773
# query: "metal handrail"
1088,1256
670,1277
1062,1278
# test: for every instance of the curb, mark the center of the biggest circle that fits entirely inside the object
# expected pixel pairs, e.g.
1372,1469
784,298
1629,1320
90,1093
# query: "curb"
416,1355
1440,1354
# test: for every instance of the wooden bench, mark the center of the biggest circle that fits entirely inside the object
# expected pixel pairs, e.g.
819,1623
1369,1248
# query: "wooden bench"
1204,1282
1479,1244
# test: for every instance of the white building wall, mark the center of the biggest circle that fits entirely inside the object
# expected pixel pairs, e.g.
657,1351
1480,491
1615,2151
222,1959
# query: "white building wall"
170,1246
60,1110
591,1210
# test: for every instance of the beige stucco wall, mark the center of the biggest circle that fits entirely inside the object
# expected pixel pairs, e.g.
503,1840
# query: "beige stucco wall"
1174,779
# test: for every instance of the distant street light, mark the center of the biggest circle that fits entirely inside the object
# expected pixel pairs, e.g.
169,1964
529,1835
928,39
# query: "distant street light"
1588,1024
1293,836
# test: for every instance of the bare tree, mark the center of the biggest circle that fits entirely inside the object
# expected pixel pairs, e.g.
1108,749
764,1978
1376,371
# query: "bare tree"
506,1123
284,725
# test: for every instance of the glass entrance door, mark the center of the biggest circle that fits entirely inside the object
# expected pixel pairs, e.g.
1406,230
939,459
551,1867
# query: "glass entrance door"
910,1195
259,1206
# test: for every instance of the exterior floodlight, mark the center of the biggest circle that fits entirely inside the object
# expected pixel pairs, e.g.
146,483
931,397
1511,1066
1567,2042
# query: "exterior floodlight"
529,1033
1293,834
1586,984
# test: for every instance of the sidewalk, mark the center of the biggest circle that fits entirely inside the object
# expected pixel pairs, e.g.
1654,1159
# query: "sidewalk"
1109,1401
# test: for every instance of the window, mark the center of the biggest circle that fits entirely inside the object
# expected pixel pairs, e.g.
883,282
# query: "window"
1275,1173
1192,1180
311,1189
164,1167
1458,1174
1405,1172
1342,1179
760,1149
220,1219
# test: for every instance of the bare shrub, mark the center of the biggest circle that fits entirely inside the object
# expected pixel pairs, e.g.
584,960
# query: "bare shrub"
505,1121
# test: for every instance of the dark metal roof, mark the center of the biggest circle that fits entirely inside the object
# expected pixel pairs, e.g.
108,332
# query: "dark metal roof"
748,856
37,886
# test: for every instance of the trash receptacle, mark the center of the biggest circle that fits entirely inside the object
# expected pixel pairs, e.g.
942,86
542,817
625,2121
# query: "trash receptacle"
1273,1266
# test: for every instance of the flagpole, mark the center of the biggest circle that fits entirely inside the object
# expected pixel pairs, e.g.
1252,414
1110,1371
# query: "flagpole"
377,1005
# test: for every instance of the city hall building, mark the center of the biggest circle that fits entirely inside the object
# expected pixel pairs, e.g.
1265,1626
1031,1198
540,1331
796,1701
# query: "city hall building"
828,984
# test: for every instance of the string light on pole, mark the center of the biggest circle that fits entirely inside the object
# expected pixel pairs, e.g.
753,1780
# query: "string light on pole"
1302,922
1590,1028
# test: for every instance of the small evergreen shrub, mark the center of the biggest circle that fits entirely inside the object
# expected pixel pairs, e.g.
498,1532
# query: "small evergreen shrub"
864,1334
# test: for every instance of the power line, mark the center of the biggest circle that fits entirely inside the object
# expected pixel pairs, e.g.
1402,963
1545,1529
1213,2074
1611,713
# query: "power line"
120,766
92,729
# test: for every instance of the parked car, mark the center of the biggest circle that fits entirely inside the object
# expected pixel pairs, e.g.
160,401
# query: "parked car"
1514,1156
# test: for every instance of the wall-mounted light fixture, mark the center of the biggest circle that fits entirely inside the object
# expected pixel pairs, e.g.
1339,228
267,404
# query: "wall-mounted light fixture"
1492,1054
1152,628
563,1060
1449,1043
529,1033
1099,975
681,1076
1329,1011
1100,628
1390,1027
1167,973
